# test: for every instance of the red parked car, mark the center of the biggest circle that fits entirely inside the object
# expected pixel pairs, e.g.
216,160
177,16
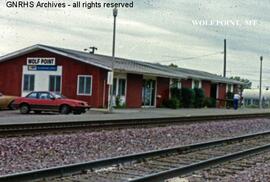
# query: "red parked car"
49,101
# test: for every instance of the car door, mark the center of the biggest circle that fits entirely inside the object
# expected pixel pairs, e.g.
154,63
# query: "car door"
32,100
46,102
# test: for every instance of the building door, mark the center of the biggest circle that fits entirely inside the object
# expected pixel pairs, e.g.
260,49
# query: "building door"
148,93
213,92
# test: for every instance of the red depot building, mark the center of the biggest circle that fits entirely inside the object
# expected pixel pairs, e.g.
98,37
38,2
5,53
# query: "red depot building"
83,76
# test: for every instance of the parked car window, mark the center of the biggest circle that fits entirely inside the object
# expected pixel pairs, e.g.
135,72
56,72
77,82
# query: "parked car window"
44,95
58,96
32,95
55,83
84,85
28,82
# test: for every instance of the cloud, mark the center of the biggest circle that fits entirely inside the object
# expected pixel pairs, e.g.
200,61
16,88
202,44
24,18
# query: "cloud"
152,30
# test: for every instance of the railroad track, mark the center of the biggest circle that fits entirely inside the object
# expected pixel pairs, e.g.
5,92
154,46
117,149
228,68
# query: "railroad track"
31,128
153,166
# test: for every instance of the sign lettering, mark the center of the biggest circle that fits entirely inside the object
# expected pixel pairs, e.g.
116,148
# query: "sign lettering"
41,61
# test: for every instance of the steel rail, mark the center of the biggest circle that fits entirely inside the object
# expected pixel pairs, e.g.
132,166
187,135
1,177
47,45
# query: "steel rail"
103,163
161,176
115,123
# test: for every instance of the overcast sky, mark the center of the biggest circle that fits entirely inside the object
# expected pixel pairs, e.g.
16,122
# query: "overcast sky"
154,31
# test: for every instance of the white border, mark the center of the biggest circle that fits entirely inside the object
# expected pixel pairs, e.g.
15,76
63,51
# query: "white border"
60,83
22,89
88,76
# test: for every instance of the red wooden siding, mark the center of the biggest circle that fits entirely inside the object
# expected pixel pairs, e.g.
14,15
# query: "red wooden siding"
71,69
134,90
222,94
206,86
186,83
163,85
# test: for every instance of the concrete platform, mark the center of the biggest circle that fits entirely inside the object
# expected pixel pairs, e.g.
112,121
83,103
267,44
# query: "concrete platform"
14,117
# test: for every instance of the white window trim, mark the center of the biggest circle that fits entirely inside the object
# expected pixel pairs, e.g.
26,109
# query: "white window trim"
217,97
117,86
193,84
23,83
78,82
231,90
155,97
60,82
179,83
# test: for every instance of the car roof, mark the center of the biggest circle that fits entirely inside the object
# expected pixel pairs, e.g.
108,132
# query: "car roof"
40,92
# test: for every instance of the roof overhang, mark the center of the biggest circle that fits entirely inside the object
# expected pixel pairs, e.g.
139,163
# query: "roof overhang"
37,47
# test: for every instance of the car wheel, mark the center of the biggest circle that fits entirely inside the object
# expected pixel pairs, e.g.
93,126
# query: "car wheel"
24,109
37,112
65,109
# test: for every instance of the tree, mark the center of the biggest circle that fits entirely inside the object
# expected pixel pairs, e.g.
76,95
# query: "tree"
173,65
247,82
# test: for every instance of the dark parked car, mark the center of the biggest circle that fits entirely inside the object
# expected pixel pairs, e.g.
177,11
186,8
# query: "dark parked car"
49,101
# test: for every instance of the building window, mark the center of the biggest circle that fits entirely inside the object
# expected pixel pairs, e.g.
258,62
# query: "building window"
28,83
55,83
121,87
230,88
84,85
175,83
196,84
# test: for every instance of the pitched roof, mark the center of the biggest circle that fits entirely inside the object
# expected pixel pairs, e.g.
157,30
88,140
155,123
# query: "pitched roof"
125,65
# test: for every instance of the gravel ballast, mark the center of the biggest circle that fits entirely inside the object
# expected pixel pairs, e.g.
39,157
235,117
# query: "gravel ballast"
249,169
27,153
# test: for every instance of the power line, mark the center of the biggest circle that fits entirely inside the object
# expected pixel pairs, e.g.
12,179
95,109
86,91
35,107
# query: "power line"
189,58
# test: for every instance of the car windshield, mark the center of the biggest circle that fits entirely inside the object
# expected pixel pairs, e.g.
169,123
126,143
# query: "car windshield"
58,96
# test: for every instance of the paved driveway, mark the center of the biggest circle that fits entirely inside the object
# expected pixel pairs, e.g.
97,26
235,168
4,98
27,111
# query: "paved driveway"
99,114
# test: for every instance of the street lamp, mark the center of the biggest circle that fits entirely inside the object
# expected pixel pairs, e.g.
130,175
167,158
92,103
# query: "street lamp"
115,12
260,93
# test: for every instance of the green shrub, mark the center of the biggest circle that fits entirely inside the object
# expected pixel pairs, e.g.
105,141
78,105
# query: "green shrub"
229,98
199,97
209,102
117,101
176,92
118,104
188,97
173,103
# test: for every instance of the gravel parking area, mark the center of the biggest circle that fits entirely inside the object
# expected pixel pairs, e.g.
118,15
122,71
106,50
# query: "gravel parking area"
35,152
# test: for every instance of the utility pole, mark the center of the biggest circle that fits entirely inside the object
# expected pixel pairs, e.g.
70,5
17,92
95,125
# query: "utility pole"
115,12
260,93
93,49
225,57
